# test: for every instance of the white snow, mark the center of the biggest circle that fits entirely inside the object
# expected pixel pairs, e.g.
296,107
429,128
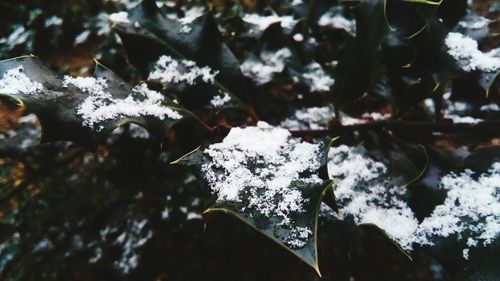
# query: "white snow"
135,236
100,106
53,21
335,20
120,17
465,51
471,209
170,70
493,107
129,4
465,253
313,118
271,62
14,82
320,81
82,37
298,237
263,22
185,29
219,100
457,111
298,37
256,166
369,198
191,14
18,37
474,22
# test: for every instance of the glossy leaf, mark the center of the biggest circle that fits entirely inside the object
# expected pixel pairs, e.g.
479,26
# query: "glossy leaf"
151,35
354,70
271,226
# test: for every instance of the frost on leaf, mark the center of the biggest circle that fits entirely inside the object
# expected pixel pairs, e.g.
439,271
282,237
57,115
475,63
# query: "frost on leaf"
470,213
170,70
270,180
465,51
15,82
101,106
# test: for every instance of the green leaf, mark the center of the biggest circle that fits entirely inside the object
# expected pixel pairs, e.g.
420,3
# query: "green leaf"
56,105
309,219
152,35
288,235
354,70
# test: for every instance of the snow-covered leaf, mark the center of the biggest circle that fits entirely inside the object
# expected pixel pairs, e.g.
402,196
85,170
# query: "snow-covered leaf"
269,180
84,109
149,37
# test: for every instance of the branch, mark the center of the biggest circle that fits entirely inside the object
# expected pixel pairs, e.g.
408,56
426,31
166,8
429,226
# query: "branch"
489,128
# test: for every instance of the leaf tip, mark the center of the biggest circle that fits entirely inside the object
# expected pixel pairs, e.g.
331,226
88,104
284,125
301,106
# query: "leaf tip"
179,160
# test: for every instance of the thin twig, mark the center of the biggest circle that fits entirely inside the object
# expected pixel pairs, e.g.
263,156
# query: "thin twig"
488,127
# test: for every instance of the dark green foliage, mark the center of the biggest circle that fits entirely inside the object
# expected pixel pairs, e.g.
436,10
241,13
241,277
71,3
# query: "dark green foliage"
83,204
57,105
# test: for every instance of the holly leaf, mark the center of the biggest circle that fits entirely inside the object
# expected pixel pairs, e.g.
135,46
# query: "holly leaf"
66,110
150,34
354,72
266,208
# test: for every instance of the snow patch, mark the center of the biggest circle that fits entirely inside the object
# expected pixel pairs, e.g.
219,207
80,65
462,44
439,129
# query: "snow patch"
271,62
335,20
170,70
264,22
471,210
100,106
191,14
465,51
277,161
313,118
53,21
82,37
298,37
474,22
369,198
185,29
310,118
320,81
219,100
120,17
14,82
19,36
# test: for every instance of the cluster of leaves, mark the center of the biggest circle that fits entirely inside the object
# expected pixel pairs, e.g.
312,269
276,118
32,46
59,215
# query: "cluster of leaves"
109,205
